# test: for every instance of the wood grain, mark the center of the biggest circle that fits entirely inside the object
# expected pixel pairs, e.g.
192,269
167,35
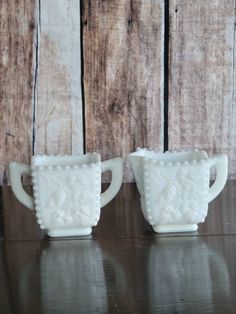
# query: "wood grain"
58,105
123,76
17,23
232,117
202,77
40,77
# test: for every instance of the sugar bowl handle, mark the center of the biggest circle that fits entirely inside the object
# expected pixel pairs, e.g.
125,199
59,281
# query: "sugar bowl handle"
116,167
16,171
220,162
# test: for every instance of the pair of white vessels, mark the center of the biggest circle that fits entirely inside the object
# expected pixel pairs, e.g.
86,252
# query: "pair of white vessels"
174,189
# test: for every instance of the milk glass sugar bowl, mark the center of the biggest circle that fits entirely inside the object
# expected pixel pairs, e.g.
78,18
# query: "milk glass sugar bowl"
174,187
67,191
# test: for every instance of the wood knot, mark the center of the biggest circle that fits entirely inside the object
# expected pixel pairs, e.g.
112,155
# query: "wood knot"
116,109
9,134
31,25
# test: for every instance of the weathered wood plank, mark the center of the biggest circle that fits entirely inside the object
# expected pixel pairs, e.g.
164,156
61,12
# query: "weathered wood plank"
202,76
123,76
232,117
17,20
58,105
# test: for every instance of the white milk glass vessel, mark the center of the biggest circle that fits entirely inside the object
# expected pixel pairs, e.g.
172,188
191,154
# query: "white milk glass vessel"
174,187
67,191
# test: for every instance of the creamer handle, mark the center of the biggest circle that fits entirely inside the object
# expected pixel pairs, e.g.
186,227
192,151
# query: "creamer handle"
221,164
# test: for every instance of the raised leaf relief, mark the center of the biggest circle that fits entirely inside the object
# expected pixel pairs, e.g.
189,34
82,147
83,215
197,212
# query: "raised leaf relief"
70,202
181,197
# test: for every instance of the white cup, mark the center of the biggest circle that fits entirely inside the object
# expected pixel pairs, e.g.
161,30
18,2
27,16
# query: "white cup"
67,191
174,187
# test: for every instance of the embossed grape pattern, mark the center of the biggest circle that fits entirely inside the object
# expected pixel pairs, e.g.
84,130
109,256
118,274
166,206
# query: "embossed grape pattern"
70,202
181,197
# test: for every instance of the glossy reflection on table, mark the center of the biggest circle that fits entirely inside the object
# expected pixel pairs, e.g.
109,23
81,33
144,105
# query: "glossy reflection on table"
171,275
124,267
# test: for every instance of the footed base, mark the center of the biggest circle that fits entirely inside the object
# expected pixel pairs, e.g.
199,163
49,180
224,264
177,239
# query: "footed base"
69,232
174,228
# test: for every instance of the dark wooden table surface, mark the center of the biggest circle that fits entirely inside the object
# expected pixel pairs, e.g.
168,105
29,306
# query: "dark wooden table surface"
123,267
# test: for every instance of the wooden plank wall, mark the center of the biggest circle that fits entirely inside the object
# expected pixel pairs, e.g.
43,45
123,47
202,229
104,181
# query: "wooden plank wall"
40,79
122,71
17,21
202,77
123,76
58,123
